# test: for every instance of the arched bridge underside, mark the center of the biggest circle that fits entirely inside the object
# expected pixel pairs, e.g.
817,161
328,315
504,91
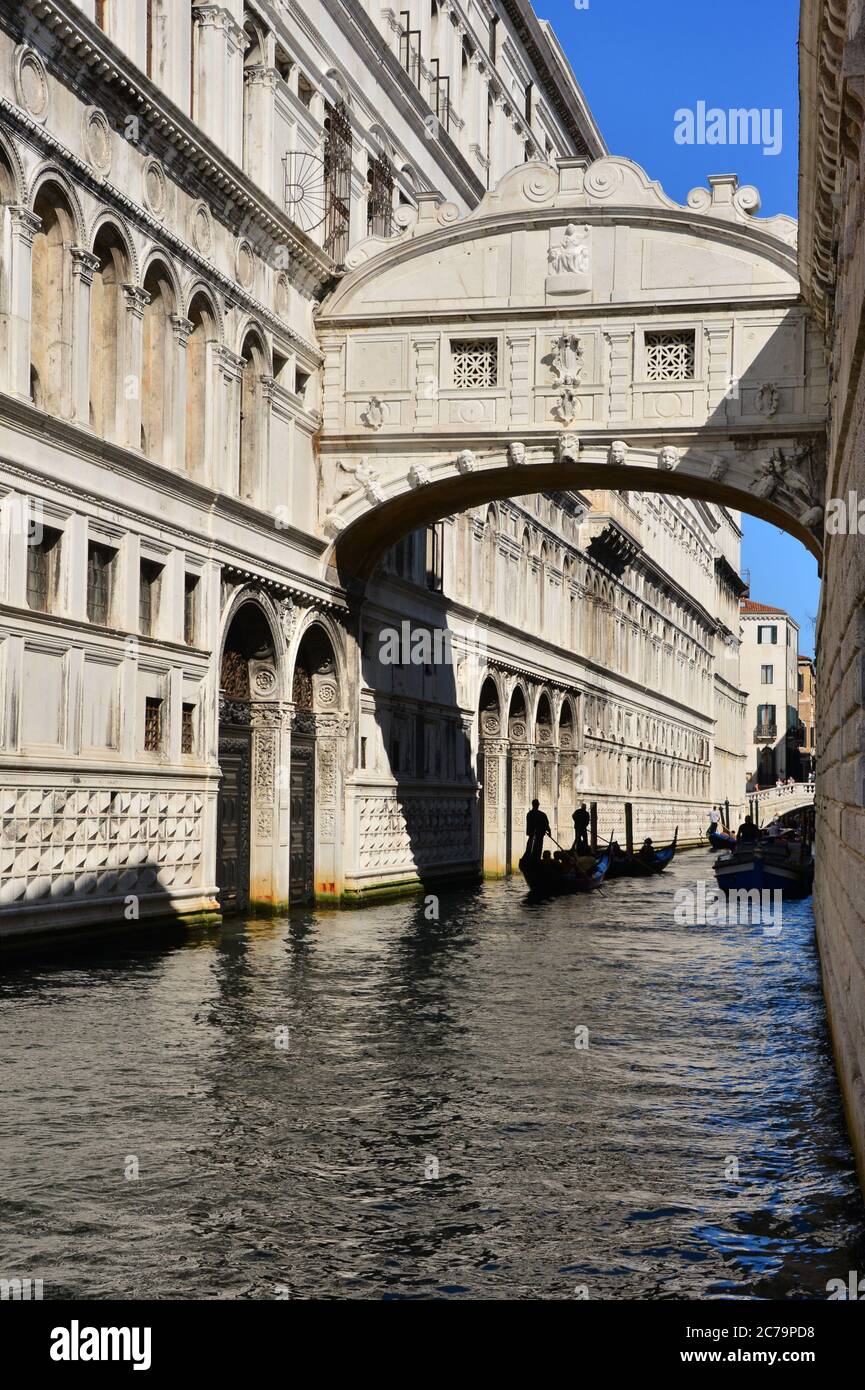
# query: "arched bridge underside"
578,330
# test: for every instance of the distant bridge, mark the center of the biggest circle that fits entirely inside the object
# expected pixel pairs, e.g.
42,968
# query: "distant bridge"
776,801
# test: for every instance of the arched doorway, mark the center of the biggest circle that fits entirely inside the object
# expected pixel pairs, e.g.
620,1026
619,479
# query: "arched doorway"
248,868
314,778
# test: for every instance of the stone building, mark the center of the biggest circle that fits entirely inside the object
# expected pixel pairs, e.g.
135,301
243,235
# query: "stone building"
770,674
807,706
199,708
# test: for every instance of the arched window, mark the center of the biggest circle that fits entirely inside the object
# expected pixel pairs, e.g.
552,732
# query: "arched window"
107,318
51,303
202,333
157,356
250,431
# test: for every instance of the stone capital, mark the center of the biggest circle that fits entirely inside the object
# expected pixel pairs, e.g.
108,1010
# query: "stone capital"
182,328
25,223
137,299
84,264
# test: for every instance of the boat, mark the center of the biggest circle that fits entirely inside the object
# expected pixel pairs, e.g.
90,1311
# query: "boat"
785,866
721,839
632,866
549,882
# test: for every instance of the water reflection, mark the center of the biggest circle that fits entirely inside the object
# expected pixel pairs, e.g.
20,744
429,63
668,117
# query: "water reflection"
695,1149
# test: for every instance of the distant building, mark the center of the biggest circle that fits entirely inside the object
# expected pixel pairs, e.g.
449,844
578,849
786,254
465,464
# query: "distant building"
807,713
769,673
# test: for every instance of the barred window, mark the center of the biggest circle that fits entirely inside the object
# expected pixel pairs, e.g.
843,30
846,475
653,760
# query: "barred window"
148,596
100,571
475,362
43,566
670,356
187,729
152,726
190,609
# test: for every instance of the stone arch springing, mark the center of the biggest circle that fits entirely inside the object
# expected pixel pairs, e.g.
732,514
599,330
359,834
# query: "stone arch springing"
251,432
51,305
108,331
204,336
157,362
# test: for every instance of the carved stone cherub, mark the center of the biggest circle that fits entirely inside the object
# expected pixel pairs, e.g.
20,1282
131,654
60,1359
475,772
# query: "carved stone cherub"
618,452
668,457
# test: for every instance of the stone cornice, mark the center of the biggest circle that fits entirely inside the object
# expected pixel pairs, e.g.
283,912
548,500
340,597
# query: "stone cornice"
73,43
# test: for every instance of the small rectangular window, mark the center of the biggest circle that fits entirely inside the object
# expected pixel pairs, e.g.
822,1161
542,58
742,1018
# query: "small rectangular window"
100,582
152,725
190,609
305,90
475,363
301,381
363,751
767,636
187,729
670,356
767,675
149,578
43,570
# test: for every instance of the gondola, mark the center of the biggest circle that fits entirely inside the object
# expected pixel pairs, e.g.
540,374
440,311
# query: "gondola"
718,839
552,883
631,866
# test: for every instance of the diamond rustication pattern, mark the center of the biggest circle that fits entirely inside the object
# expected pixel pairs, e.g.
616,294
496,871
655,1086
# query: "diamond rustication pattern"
475,362
96,843
669,356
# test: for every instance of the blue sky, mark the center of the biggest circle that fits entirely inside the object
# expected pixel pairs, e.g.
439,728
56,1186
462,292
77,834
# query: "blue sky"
638,62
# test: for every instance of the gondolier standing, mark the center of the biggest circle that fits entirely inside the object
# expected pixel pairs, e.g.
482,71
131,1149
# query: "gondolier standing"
582,820
537,829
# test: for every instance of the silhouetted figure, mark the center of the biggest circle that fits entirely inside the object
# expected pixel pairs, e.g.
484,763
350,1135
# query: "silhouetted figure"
537,829
582,820
646,852
747,831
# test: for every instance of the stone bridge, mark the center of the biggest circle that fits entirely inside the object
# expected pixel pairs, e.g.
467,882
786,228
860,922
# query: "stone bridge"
578,330
777,801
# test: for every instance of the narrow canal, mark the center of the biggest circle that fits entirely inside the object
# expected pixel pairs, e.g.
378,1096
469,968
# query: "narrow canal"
426,1126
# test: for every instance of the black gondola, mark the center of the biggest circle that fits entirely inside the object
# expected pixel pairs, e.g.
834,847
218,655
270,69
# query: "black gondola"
632,866
551,882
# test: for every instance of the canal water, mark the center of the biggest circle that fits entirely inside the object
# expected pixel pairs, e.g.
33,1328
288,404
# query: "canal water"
378,1104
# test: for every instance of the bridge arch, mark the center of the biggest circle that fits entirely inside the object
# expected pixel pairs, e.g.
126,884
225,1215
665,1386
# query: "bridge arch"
578,331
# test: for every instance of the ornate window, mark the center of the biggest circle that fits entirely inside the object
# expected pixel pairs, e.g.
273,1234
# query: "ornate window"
337,181
475,362
670,356
187,729
379,217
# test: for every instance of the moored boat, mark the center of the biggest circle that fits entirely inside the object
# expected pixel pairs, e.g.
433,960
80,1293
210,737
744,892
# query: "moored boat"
633,866
550,881
784,866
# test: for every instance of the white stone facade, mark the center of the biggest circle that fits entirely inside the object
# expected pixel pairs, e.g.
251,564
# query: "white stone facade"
194,712
769,672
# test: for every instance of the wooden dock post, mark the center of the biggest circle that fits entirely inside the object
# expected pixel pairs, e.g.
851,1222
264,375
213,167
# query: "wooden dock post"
593,826
727,814
629,827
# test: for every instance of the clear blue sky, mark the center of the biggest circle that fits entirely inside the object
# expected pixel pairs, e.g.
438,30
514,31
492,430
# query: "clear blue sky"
638,62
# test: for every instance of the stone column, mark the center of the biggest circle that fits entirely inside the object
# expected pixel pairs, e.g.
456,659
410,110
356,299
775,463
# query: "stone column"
259,82
84,267
181,328
494,754
218,44
227,462
719,368
521,797
268,834
22,228
267,391
330,735
333,383
136,300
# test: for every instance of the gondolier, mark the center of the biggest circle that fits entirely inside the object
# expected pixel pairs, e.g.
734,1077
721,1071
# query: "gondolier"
537,829
582,820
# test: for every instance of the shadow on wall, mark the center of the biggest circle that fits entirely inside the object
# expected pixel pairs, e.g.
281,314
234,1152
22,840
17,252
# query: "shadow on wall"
415,778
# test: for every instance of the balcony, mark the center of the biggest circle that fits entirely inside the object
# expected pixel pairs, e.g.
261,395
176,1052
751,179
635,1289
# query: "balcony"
765,733
612,531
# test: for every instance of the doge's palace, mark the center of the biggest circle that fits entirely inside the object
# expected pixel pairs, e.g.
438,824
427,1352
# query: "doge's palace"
199,712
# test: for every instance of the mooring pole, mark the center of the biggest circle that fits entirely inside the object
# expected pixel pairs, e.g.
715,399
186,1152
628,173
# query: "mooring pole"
629,827
727,813
593,825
